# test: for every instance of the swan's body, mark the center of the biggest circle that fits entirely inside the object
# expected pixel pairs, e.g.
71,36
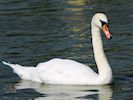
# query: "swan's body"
63,71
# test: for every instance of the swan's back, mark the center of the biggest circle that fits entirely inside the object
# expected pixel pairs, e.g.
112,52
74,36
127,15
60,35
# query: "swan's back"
60,71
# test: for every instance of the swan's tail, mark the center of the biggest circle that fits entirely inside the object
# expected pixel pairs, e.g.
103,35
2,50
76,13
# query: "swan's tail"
21,71
11,65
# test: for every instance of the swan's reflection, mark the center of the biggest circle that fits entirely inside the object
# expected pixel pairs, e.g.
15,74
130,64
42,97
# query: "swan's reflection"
66,92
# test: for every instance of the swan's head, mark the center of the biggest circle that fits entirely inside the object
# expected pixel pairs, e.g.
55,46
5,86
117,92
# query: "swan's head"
100,20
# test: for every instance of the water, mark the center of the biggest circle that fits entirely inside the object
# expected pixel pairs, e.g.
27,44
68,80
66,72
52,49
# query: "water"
33,31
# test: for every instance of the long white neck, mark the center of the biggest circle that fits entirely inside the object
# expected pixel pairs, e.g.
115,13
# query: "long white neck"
104,69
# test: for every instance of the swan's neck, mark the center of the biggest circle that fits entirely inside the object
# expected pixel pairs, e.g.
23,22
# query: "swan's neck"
104,70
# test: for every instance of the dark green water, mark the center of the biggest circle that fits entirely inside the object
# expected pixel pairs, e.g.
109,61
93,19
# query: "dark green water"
33,31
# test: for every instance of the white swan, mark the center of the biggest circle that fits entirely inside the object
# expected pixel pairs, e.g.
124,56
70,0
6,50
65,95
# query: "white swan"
70,72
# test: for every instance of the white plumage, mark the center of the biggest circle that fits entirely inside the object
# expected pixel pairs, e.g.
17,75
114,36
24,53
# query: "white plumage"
70,72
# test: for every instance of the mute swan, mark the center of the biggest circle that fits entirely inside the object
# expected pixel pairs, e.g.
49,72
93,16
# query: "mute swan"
70,72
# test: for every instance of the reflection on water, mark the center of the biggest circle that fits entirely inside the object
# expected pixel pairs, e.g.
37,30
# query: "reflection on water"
65,92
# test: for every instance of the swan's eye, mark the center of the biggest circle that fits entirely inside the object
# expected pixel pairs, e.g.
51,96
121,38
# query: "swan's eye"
103,23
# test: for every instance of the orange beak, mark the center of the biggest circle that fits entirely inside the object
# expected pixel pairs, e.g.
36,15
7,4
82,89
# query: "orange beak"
105,29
